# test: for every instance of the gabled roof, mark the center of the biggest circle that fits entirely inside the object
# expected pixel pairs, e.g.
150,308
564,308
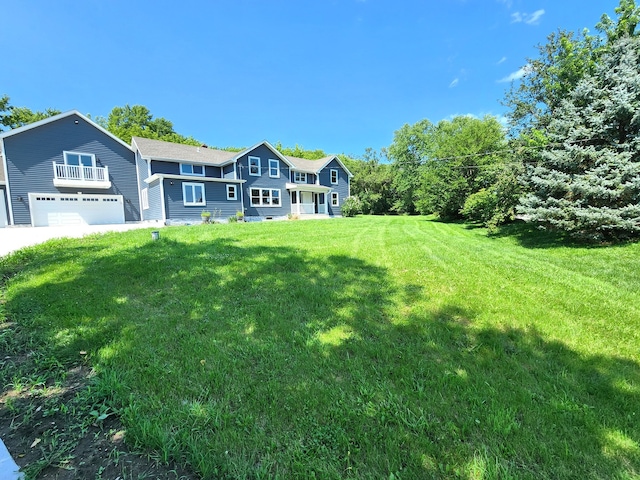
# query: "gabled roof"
176,152
55,118
315,166
270,147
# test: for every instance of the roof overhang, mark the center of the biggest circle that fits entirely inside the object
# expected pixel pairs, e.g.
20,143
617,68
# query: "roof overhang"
190,178
307,187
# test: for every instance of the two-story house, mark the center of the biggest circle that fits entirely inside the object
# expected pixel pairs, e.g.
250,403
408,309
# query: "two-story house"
67,170
177,182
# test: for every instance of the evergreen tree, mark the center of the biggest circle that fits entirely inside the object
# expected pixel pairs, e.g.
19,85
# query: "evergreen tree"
588,182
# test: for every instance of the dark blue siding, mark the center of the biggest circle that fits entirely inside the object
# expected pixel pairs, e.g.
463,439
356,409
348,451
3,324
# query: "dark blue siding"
264,181
311,179
30,156
228,171
215,195
342,187
170,168
173,168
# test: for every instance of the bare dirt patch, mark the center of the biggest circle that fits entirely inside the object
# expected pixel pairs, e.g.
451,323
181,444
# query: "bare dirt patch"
52,433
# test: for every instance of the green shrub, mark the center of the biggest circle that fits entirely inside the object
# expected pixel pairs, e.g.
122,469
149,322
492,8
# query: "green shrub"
351,207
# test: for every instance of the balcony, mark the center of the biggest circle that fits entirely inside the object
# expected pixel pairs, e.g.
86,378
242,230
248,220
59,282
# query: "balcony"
76,176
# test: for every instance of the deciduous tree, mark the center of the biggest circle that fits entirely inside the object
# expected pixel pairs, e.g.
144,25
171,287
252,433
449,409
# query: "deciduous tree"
14,117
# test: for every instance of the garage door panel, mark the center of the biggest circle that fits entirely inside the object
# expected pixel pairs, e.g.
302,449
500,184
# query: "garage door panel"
75,209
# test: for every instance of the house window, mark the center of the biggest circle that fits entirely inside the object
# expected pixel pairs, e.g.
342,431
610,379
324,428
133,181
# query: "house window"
188,169
274,168
265,197
299,177
334,199
193,194
144,197
254,166
77,159
334,176
232,192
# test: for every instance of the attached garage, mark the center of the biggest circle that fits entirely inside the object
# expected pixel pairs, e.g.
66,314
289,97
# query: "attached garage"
75,209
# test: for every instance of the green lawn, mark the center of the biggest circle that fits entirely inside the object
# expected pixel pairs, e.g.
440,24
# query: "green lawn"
372,347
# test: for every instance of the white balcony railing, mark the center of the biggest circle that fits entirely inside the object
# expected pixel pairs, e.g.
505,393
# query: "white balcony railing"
80,175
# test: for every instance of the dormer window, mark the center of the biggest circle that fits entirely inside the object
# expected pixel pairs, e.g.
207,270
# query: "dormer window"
195,170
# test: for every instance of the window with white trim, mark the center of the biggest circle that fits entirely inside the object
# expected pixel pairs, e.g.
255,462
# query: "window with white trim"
232,192
334,175
274,168
188,169
79,159
254,166
193,194
334,199
299,177
265,197
144,198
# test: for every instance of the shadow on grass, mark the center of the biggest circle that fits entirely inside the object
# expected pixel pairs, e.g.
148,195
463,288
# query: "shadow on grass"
530,235
248,360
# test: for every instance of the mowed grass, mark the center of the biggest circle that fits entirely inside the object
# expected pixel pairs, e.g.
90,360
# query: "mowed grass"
373,347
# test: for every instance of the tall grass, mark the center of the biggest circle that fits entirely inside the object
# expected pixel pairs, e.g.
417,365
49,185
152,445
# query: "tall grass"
392,347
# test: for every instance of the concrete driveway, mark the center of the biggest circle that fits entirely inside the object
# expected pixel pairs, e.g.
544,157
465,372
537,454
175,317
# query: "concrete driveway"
14,238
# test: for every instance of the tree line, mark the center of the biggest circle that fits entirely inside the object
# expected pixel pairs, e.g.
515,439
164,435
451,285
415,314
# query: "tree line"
569,159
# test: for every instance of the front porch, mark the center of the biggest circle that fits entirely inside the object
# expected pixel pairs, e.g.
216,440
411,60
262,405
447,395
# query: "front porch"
309,200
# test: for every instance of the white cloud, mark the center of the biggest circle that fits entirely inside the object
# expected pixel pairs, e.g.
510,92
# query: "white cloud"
535,17
517,75
454,82
502,60
528,18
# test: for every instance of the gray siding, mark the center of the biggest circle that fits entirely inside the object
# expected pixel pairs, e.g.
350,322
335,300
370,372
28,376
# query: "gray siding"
155,202
264,181
30,156
215,195
143,172
342,187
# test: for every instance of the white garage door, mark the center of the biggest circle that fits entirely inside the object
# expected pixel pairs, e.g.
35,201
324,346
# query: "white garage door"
75,209
3,210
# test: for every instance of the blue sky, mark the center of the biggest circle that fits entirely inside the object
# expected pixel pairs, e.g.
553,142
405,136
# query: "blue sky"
336,75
